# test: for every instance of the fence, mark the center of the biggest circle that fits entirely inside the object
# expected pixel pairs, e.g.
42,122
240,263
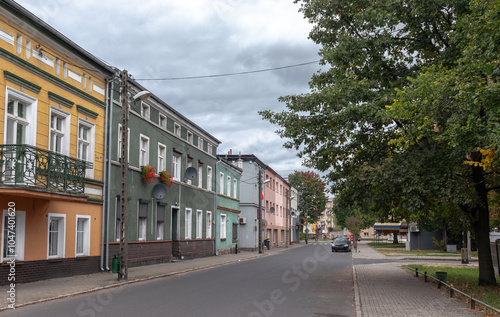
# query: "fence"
471,298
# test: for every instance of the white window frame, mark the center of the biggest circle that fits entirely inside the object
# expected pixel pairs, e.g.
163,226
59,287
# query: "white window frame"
20,224
142,225
199,224
200,144
223,226
209,177
235,188
143,151
30,119
19,43
221,183
162,157
162,121
120,142
189,137
90,143
188,223
160,226
145,110
228,186
86,236
208,232
176,166
177,129
28,49
209,148
64,133
200,175
61,237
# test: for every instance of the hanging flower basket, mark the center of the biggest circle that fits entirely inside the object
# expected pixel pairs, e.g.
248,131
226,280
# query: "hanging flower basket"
166,178
148,174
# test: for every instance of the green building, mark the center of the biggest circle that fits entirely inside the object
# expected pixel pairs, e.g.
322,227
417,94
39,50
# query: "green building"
178,225
228,207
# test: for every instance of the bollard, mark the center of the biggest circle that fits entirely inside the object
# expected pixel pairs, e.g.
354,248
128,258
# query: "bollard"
425,276
452,291
472,302
416,272
439,283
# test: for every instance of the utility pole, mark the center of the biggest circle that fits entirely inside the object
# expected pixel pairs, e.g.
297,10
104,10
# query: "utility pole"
124,180
259,215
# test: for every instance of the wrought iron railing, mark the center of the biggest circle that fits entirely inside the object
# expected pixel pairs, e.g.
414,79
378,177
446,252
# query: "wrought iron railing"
23,165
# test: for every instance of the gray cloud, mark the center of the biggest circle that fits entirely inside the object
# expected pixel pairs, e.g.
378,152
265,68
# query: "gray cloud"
165,39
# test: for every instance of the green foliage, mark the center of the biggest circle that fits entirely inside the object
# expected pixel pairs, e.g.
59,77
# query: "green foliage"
440,245
312,200
402,116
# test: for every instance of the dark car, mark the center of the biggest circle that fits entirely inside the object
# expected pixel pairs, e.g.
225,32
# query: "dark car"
341,244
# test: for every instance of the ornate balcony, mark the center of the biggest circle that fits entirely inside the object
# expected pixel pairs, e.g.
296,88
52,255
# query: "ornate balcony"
26,166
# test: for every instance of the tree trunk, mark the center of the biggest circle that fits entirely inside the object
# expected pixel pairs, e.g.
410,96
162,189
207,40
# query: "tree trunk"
481,224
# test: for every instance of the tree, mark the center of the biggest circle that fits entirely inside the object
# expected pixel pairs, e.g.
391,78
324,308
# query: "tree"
311,189
391,120
354,225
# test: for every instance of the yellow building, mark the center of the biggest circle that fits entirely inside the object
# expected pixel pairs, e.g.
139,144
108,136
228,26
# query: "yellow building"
52,123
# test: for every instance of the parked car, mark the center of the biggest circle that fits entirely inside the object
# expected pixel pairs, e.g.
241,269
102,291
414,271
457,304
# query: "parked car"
341,244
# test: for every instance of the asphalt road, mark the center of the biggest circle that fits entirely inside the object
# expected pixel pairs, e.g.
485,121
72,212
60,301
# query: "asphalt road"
308,282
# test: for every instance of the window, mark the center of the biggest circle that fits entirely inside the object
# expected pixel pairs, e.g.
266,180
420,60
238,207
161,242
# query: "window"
365,234
118,215
86,144
188,223
82,236
221,183
176,166
209,178
228,186
209,225
200,175
13,232
65,70
144,151
160,222
177,130
56,235
162,121
162,153
189,164
84,81
19,43
235,188
59,131
223,226
200,143
145,110
199,224
209,148
90,84
120,142
28,49
58,66
143,220
235,232
190,137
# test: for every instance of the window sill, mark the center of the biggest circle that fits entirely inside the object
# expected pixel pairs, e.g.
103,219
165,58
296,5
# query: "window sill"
223,239
82,257
55,260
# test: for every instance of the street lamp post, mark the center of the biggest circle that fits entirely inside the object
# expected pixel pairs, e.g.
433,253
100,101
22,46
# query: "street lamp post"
124,172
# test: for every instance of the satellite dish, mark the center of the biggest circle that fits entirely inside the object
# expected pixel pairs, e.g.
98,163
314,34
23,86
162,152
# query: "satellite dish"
159,191
191,173
272,209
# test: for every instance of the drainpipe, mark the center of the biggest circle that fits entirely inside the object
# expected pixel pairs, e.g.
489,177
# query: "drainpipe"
107,175
215,208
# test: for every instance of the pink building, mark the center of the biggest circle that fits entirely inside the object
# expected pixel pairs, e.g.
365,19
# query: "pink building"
277,207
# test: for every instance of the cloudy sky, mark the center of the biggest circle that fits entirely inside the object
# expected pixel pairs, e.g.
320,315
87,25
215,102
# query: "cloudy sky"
165,39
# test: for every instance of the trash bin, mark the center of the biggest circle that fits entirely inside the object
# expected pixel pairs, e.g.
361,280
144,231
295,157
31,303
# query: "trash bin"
115,264
266,243
443,276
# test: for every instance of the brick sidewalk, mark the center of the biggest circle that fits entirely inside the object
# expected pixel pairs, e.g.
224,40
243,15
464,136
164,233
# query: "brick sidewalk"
385,289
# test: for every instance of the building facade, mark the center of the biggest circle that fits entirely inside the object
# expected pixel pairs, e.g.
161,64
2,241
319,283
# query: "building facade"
52,123
227,219
277,208
251,193
178,225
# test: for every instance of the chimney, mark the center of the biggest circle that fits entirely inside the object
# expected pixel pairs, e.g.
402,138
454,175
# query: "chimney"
230,152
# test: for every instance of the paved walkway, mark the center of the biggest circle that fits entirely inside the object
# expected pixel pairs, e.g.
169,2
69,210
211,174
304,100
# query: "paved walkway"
382,287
